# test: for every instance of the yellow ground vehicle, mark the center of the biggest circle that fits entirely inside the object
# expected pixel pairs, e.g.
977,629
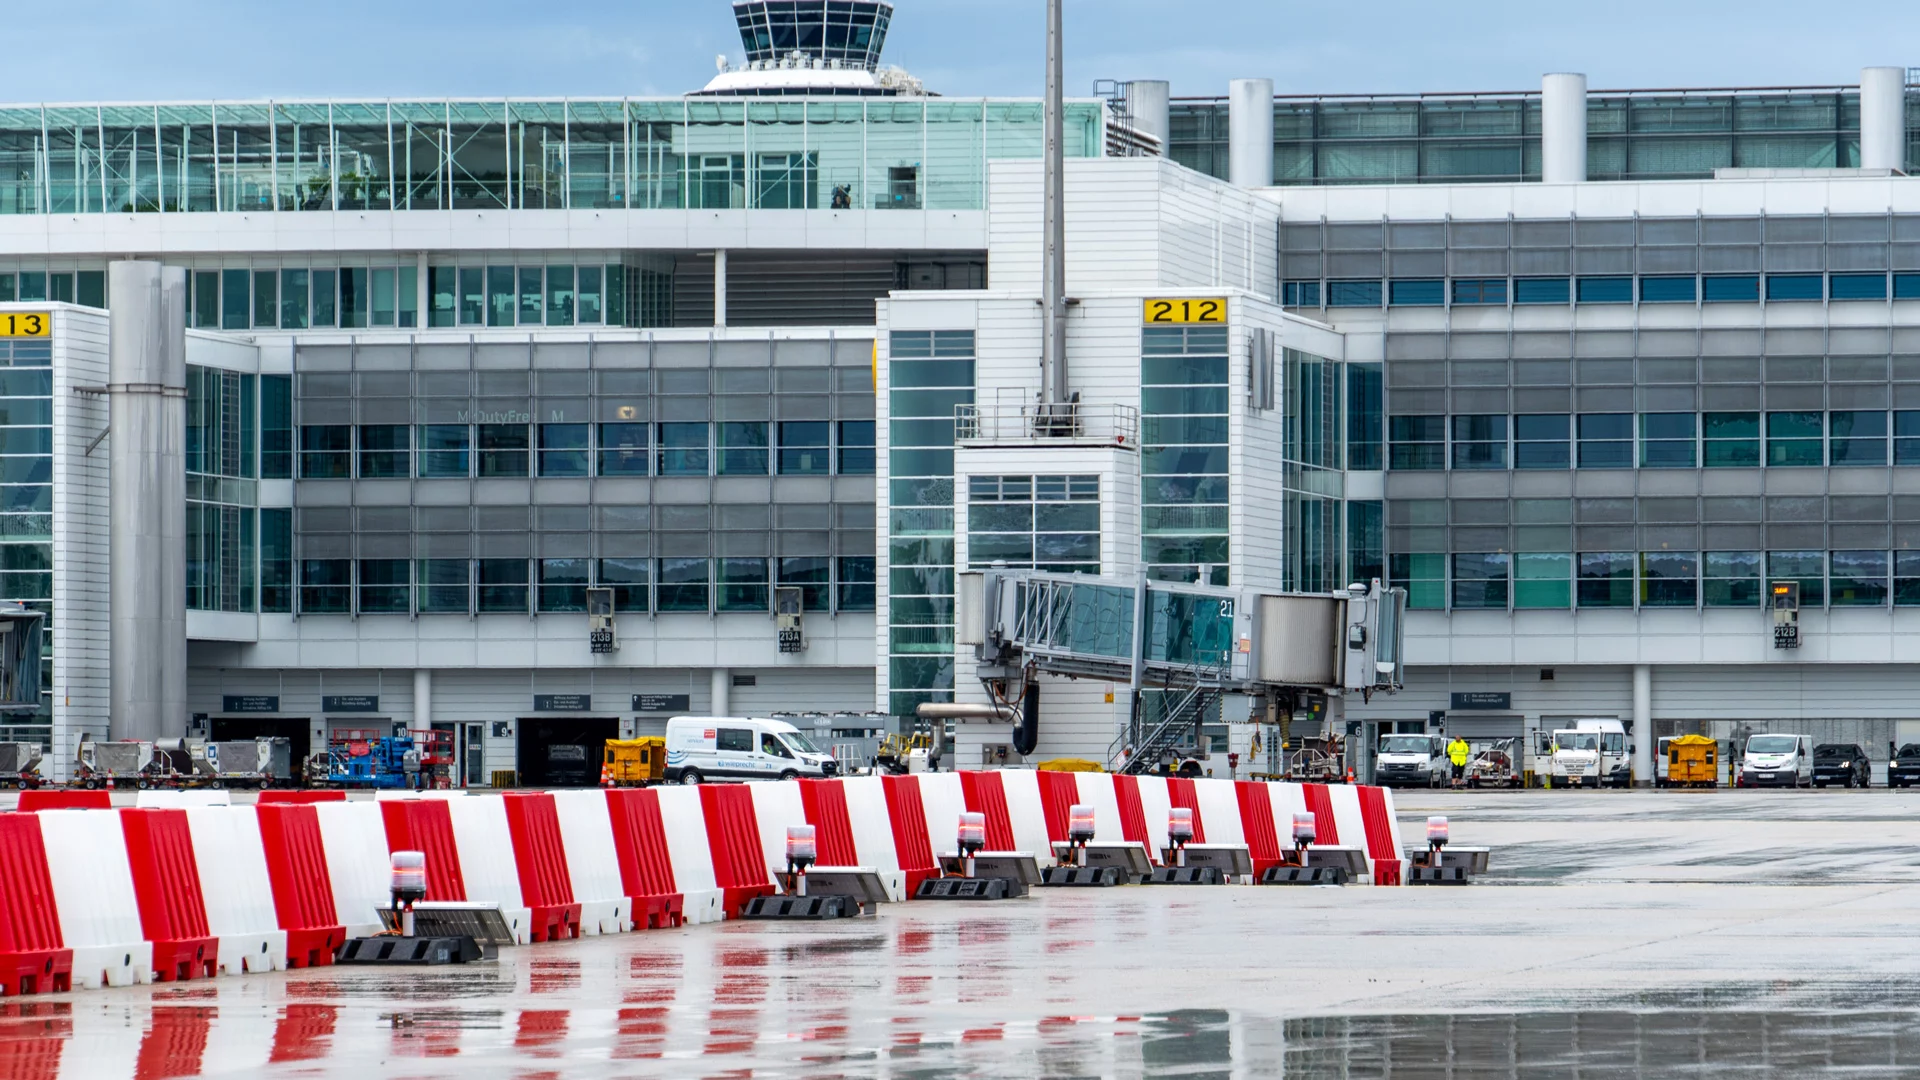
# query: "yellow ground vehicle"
634,762
901,754
1069,764
1692,761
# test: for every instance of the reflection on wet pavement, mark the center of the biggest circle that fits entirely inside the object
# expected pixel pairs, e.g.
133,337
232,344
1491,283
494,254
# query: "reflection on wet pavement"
1747,948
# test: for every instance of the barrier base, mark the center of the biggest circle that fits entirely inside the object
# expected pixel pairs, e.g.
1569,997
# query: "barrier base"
314,948
801,907
1099,877
1184,875
1439,875
431,951
191,958
1302,875
954,888
657,912
46,971
556,922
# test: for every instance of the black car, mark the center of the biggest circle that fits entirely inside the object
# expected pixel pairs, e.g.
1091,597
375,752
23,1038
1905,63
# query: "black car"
1841,763
1904,769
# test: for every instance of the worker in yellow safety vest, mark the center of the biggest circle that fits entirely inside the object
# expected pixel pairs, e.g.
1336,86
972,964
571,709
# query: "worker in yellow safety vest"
1457,752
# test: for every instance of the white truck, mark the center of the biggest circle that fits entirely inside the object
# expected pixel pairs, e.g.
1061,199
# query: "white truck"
1589,753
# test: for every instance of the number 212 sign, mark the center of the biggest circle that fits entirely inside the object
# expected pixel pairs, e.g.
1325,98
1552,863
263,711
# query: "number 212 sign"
1205,309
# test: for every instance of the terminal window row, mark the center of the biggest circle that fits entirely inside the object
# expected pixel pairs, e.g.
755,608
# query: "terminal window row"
626,448
1620,289
534,586
359,297
1654,579
1866,437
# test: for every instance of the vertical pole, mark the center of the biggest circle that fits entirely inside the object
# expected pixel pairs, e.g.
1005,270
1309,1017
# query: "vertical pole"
1053,300
720,693
1642,725
720,287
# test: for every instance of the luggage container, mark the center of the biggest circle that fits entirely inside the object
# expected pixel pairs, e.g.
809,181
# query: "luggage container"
1692,761
20,765
115,764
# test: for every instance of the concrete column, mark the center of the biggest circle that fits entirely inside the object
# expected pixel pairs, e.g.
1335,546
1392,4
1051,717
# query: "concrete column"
1147,104
422,296
1642,734
1883,118
1563,129
1250,132
721,693
147,499
720,287
422,699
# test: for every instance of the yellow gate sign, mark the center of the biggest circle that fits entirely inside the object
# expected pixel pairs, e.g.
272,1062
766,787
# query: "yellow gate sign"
25,324
1175,311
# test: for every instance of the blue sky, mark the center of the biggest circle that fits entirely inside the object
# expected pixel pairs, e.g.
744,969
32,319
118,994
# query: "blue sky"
147,50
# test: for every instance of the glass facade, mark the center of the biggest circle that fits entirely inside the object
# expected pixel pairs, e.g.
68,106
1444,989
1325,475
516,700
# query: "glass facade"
1848,438
1034,523
222,497
1183,453
928,374
26,505
622,153
1312,482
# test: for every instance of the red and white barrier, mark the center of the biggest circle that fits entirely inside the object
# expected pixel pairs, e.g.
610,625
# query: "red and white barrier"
593,862
93,892
355,841
235,888
482,840
684,824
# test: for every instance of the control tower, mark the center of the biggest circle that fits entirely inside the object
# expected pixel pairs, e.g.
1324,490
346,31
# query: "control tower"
829,47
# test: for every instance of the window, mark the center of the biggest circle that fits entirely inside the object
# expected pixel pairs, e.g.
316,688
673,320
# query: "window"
1906,286
1669,578
1300,294
1857,578
733,740
559,296
1415,293
384,451
266,299
588,307
563,584
473,296
1667,289
743,449
1479,442
683,585
294,292
683,451
1730,288
1807,567
441,586
440,296
1857,286
1480,581
384,586
1540,441
1041,522
326,452
1483,291
1606,579
236,307
1556,290
1793,438
502,585
1417,442
353,297
856,583
743,585
1906,578
1542,580
1606,441
813,576
276,427
500,296
856,447
532,296
1731,578
1365,401
1795,287
276,560
1666,440
443,450
324,296
1423,576
564,449
1353,294
326,586
628,580
1857,437
1732,439
1906,438
503,449
623,449
1606,290
803,447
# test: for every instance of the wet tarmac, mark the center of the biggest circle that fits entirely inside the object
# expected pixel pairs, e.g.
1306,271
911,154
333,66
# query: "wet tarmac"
1618,934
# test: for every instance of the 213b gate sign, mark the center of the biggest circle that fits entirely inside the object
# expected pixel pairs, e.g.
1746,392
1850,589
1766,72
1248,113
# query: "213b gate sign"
1177,310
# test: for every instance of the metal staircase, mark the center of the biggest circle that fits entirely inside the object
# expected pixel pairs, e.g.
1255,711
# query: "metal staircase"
1183,716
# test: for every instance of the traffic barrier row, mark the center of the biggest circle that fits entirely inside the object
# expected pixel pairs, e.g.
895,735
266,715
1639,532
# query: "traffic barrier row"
93,896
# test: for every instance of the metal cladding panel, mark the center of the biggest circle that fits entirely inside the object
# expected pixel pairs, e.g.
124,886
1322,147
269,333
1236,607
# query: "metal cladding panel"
906,811
56,799
640,843
356,862
236,888
1326,828
538,849
1299,636
1059,791
166,879
1181,792
984,795
593,861
776,805
424,825
1100,791
1257,823
28,919
825,804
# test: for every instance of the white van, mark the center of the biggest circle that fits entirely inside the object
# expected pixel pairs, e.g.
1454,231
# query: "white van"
1777,761
701,748
1417,760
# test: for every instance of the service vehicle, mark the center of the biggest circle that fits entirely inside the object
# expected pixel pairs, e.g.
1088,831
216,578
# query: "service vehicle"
1616,757
1573,758
1903,769
1777,761
1494,765
633,762
1687,761
1412,761
703,748
1841,763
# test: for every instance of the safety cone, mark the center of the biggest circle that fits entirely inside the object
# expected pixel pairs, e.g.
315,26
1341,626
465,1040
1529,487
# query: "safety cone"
606,775
1349,774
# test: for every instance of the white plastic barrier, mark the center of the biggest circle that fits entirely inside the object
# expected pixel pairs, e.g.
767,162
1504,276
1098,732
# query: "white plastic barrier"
102,1044
776,805
176,800
236,888
1287,799
1347,816
873,832
1219,811
1393,823
686,827
1027,813
487,863
1096,790
240,1045
593,863
1154,804
93,889
943,801
354,837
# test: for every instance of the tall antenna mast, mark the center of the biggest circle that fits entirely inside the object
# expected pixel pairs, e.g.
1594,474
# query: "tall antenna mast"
1053,289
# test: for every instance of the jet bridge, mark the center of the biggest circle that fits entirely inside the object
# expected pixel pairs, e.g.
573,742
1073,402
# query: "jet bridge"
1201,642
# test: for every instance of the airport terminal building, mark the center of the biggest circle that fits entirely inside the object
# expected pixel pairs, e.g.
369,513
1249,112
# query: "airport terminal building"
1587,373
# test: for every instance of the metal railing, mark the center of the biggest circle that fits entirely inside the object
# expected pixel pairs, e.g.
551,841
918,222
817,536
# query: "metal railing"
1139,750
1043,422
